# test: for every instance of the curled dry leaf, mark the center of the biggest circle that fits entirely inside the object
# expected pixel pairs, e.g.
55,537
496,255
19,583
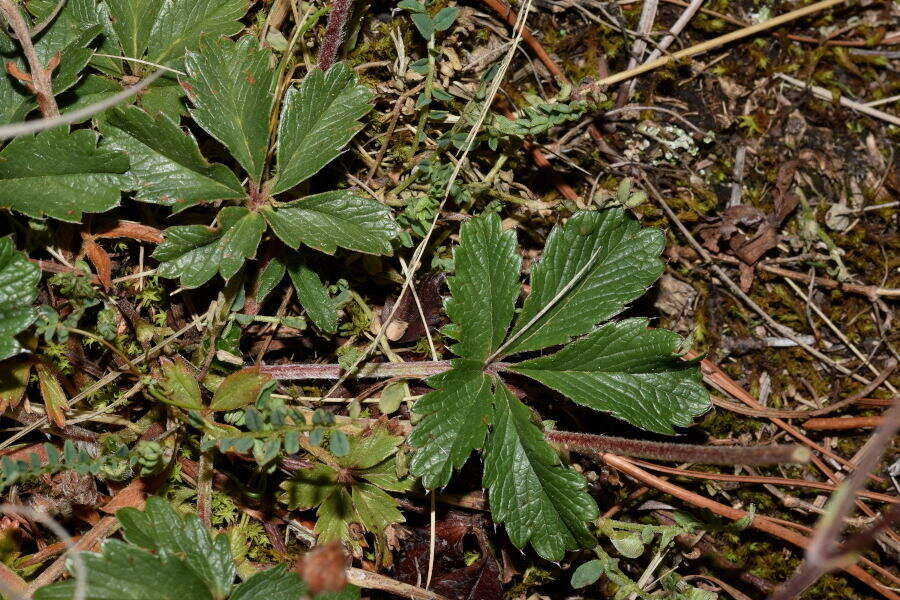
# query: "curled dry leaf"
129,229
100,259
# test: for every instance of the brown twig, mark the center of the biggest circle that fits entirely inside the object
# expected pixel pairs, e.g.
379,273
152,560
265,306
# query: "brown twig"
842,423
815,485
508,15
39,80
758,522
857,398
376,581
11,584
103,528
823,553
870,291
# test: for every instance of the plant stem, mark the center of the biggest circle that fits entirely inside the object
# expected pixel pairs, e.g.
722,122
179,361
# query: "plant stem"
408,370
429,87
584,443
40,76
596,445
334,33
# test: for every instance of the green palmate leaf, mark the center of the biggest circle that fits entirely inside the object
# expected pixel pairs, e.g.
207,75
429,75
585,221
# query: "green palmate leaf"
362,500
18,289
231,85
484,288
159,528
456,420
159,31
374,508
275,584
92,88
627,370
166,164
312,294
538,499
269,277
334,219
617,260
195,253
171,557
61,174
317,121
309,487
366,452
335,515
75,25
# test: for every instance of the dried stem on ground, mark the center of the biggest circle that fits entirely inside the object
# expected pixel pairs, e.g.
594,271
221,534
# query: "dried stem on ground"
824,553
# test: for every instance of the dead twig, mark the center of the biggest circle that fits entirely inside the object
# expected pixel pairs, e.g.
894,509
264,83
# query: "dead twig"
26,127
824,94
715,43
841,423
823,553
761,479
376,581
758,522
870,291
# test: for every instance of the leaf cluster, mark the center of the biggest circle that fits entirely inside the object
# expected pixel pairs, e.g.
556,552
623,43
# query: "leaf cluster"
162,545
352,488
592,267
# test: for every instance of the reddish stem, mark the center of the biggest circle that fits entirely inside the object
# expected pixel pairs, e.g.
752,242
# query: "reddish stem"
596,445
334,33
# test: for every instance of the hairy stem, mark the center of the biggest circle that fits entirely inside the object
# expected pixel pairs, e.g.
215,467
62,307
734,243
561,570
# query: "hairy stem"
411,370
577,442
40,81
334,33
596,445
